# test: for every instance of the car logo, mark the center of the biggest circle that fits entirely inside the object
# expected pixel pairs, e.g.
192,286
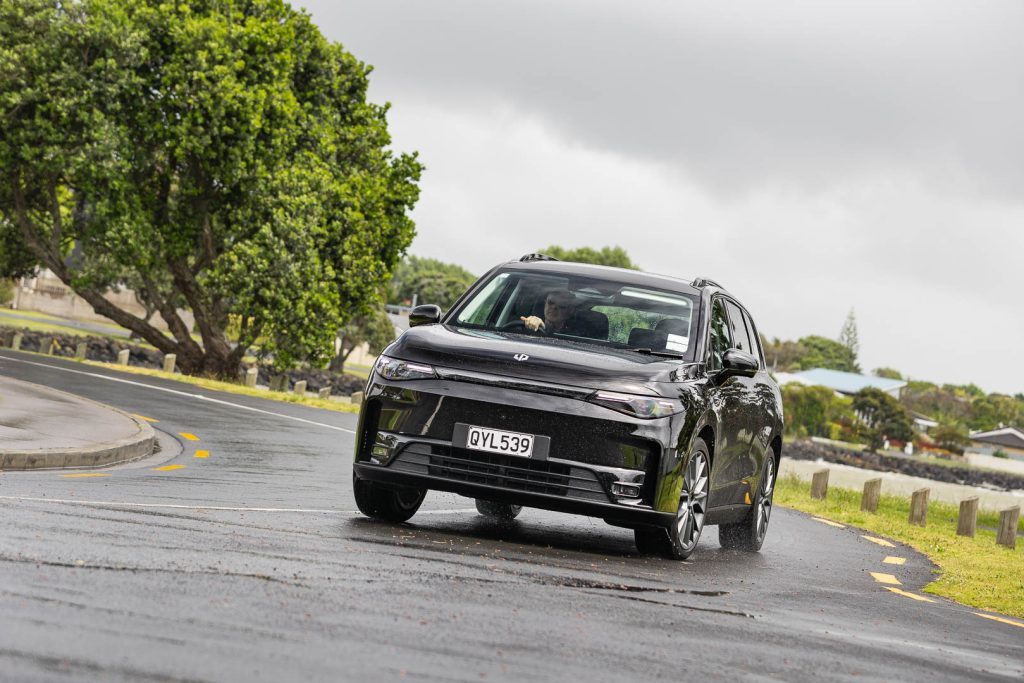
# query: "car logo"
521,357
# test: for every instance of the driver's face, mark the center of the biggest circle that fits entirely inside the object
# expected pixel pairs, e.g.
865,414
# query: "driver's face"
558,307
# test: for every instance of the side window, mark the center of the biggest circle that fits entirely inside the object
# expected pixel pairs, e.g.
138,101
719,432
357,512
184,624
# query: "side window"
740,338
719,337
755,340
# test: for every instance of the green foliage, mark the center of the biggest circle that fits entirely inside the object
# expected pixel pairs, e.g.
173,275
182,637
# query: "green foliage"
223,154
848,335
887,373
784,356
964,404
430,281
1000,453
952,436
883,417
822,352
16,260
374,329
605,256
814,411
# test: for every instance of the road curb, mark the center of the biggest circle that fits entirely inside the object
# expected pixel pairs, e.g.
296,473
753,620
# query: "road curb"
139,445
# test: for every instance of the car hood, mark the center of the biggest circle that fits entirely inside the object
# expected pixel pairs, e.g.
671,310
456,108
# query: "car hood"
548,361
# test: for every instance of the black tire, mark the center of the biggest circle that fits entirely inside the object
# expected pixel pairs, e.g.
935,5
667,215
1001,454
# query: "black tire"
680,540
489,508
391,505
748,535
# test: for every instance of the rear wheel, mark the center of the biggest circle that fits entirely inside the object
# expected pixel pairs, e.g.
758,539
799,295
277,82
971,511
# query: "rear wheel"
489,508
680,540
749,534
392,505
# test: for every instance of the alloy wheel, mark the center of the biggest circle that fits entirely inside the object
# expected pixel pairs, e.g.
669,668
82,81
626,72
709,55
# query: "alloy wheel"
764,500
692,502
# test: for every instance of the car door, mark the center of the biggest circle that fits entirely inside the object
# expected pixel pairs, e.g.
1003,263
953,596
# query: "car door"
726,398
750,448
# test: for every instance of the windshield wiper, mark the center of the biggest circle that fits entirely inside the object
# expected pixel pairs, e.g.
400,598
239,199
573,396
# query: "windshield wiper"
663,354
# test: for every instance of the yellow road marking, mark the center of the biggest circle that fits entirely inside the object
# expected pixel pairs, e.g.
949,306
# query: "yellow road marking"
886,578
85,474
1000,620
202,454
895,560
143,417
912,596
829,522
190,437
880,541
168,468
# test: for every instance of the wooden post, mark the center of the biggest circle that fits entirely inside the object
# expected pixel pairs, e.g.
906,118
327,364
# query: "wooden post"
357,398
1008,527
324,393
251,375
122,356
919,507
46,345
16,341
967,522
300,388
170,360
80,350
872,492
819,482
279,383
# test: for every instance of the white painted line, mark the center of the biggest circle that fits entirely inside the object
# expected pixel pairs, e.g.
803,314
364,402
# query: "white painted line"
181,393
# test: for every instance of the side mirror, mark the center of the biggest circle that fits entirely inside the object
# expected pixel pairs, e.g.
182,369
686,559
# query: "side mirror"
736,362
427,314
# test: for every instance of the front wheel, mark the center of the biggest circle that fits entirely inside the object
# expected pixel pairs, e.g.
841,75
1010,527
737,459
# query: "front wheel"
391,505
749,534
680,540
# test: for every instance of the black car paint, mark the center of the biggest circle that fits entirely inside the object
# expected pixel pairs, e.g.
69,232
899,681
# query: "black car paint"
482,383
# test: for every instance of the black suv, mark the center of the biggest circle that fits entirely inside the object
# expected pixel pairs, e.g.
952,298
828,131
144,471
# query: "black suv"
637,398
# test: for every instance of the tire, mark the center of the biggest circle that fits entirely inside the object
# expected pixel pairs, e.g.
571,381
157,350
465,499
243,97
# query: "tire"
680,540
489,508
391,505
748,535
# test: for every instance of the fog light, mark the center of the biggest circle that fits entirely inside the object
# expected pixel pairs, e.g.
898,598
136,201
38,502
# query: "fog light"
625,490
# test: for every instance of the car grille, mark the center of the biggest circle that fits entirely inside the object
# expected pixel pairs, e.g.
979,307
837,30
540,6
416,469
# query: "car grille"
501,471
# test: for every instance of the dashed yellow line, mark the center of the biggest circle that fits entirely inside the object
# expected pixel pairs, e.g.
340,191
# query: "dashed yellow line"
189,436
895,560
880,541
885,578
143,417
202,454
1000,620
85,474
912,596
829,522
168,468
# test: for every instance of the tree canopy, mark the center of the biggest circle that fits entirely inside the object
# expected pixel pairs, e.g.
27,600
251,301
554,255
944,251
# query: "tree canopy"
220,154
605,256
429,281
883,417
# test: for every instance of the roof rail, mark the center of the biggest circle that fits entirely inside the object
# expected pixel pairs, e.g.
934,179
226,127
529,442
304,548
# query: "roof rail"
536,257
704,282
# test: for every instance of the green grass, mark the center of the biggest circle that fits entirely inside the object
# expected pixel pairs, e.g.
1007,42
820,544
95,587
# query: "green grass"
41,323
974,571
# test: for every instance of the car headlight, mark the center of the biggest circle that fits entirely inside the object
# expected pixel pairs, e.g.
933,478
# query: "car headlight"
646,407
395,369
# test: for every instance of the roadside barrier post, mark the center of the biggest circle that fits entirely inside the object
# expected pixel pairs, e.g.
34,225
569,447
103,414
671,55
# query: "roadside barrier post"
1008,527
967,522
80,350
300,388
16,341
357,398
919,507
324,393
872,492
279,383
122,356
819,480
46,345
169,361
251,375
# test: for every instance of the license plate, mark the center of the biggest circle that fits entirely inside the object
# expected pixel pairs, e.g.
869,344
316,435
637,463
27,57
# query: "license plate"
497,441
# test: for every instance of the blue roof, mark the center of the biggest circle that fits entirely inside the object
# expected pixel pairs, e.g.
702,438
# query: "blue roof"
848,382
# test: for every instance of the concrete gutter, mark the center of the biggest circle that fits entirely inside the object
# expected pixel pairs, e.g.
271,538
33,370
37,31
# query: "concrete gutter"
43,428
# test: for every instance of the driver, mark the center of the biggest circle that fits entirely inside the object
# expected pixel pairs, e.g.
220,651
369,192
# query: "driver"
559,305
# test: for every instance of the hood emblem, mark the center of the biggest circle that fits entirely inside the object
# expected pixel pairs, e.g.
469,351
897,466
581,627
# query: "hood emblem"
521,357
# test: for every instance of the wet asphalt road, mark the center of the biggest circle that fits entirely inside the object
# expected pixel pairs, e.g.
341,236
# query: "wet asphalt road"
253,564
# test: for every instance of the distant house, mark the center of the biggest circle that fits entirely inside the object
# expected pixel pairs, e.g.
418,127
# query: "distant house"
1010,440
844,383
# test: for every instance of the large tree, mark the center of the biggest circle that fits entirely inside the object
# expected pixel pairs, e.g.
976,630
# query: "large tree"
429,281
218,153
605,256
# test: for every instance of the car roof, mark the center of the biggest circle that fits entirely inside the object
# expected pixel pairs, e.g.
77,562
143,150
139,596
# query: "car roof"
624,275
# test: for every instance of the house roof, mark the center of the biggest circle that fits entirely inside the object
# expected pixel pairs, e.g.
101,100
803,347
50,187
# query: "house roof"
1004,436
847,382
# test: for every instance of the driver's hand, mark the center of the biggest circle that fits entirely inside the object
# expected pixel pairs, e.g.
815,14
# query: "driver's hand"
532,323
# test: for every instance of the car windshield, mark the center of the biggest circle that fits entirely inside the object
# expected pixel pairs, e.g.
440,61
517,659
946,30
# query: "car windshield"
589,310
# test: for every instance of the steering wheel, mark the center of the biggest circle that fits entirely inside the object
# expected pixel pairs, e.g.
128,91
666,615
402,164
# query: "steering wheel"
513,326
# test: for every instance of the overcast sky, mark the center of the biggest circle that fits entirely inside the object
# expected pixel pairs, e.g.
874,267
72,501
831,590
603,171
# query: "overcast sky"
812,156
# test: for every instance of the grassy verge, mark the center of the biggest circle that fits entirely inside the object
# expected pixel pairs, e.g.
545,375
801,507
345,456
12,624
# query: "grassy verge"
41,323
974,571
